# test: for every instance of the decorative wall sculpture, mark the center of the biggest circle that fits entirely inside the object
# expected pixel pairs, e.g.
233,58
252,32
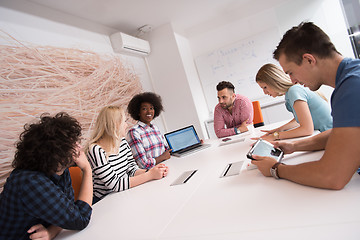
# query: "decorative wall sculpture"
38,79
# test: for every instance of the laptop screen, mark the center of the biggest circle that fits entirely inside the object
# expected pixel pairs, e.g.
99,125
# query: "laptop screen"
182,138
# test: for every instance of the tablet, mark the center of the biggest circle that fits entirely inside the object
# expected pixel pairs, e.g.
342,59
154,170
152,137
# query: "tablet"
264,148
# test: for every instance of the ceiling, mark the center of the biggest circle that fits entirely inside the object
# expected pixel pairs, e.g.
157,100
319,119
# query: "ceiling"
108,16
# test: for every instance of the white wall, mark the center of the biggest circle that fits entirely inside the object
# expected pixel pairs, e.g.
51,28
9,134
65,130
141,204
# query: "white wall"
193,80
325,13
29,29
172,60
171,80
172,72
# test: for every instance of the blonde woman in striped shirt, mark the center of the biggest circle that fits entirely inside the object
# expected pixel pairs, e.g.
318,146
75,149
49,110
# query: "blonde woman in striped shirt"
111,159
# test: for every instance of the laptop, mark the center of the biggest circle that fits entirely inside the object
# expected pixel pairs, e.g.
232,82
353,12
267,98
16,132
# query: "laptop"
184,141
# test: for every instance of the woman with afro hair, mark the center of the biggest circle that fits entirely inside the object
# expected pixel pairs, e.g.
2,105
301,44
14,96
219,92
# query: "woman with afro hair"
145,139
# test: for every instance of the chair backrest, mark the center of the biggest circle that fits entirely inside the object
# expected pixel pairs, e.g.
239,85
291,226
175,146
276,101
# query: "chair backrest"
76,179
258,117
209,125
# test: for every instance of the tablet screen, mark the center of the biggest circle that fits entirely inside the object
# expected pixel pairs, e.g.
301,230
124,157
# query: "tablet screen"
264,148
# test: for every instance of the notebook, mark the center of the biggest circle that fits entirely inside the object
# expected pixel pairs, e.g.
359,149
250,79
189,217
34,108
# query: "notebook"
184,141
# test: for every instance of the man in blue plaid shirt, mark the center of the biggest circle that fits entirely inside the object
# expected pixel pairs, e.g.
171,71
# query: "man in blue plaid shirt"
38,199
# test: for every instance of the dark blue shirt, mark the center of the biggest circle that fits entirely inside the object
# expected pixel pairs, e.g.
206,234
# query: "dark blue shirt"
345,98
31,198
346,95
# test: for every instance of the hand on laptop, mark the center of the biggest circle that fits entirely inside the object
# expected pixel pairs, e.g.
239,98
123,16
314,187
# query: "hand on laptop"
165,156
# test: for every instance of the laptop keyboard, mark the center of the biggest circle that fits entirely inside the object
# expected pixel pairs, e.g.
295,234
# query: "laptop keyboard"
189,149
192,150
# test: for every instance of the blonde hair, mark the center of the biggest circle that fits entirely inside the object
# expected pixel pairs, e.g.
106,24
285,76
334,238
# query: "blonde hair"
107,124
274,77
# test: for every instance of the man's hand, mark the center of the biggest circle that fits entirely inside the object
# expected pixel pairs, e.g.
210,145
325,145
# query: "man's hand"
264,164
243,126
286,147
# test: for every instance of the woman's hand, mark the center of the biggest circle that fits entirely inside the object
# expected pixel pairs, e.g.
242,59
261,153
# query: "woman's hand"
81,161
159,171
269,131
268,136
166,155
40,232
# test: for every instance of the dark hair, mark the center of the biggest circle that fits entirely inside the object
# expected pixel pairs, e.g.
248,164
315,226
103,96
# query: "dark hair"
304,38
149,97
225,84
48,144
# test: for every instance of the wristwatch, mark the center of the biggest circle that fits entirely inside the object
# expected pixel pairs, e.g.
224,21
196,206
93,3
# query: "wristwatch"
237,131
276,135
274,170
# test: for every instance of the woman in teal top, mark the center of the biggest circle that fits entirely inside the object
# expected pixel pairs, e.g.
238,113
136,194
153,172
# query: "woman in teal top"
311,110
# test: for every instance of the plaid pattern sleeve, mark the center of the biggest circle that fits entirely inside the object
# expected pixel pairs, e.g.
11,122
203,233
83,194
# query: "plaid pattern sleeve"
31,198
139,151
220,123
146,143
50,203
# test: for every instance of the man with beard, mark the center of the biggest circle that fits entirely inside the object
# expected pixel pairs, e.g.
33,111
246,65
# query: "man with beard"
233,112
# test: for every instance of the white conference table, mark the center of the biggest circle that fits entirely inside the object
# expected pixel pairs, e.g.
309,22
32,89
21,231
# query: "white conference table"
246,206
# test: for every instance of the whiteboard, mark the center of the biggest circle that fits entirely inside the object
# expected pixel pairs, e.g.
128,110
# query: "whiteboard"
238,63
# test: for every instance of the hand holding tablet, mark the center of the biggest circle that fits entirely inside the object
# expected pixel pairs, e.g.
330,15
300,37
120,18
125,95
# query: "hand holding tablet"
265,149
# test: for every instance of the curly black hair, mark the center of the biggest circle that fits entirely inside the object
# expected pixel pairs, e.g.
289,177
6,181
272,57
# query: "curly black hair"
48,144
149,97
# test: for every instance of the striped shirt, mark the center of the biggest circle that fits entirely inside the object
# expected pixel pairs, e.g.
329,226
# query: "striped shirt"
112,173
147,143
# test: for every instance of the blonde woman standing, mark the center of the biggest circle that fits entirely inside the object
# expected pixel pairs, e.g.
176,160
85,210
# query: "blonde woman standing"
111,159
311,111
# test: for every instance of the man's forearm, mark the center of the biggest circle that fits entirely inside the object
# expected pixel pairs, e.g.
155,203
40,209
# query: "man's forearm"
317,142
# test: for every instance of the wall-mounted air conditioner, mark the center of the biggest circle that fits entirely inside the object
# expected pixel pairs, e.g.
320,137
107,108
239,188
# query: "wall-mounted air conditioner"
123,43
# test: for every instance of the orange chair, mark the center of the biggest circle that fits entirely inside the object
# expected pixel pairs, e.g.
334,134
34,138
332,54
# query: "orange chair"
76,179
258,117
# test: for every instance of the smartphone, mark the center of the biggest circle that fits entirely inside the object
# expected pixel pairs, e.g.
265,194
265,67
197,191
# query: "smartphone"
226,139
264,148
